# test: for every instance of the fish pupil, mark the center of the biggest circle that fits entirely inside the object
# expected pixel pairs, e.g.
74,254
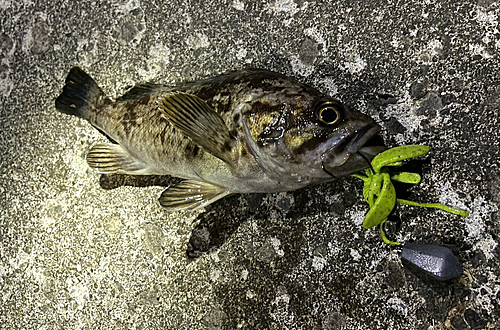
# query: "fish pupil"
329,115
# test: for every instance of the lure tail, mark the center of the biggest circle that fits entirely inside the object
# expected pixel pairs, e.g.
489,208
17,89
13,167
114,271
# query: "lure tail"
80,94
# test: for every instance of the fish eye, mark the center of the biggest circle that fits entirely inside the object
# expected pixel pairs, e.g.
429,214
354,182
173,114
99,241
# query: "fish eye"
329,115
329,112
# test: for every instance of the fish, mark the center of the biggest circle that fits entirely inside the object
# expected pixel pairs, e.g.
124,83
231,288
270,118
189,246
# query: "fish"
246,131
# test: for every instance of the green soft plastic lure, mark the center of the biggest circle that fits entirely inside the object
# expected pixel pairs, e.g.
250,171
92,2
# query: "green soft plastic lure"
379,191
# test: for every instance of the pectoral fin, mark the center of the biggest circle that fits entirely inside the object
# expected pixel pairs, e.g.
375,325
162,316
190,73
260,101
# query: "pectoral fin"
191,195
109,158
198,121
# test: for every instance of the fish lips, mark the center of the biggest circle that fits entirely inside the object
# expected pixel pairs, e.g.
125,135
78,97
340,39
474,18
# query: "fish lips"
351,155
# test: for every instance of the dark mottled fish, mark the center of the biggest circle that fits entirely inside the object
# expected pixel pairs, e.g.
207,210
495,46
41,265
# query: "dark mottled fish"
242,132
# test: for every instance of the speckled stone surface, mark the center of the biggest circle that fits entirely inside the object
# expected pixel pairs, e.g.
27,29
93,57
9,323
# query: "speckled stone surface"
78,251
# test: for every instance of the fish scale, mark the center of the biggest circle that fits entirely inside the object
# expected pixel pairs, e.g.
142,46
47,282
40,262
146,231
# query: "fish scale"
242,132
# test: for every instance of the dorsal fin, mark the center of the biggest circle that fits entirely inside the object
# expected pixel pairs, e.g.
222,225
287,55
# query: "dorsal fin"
140,91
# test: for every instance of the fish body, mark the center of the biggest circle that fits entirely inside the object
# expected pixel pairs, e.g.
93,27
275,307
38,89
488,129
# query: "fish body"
242,132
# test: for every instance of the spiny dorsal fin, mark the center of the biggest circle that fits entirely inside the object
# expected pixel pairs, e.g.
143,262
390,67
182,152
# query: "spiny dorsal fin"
191,195
109,158
139,91
198,121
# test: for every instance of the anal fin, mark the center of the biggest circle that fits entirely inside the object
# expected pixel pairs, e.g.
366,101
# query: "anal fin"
109,158
191,195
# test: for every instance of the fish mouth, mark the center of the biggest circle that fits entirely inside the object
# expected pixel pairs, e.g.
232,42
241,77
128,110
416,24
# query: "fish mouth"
354,152
362,137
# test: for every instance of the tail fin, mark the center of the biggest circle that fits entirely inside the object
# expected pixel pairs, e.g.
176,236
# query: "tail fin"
80,94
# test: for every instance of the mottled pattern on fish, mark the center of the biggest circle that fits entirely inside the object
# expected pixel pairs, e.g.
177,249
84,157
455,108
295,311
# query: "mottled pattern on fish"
265,133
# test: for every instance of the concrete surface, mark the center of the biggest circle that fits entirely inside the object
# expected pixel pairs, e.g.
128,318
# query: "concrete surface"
83,252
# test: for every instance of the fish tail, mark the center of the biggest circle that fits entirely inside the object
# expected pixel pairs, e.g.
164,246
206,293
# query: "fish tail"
80,94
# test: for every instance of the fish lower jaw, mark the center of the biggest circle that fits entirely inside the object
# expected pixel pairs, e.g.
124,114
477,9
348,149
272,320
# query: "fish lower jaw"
354,163
371,151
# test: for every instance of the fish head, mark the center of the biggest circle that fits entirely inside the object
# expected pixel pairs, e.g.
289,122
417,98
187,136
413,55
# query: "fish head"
308,136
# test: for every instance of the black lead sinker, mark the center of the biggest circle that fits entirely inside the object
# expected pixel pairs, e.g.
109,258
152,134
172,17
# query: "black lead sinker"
437,261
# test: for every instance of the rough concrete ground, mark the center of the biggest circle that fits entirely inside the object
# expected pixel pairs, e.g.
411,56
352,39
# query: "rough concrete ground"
83,252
